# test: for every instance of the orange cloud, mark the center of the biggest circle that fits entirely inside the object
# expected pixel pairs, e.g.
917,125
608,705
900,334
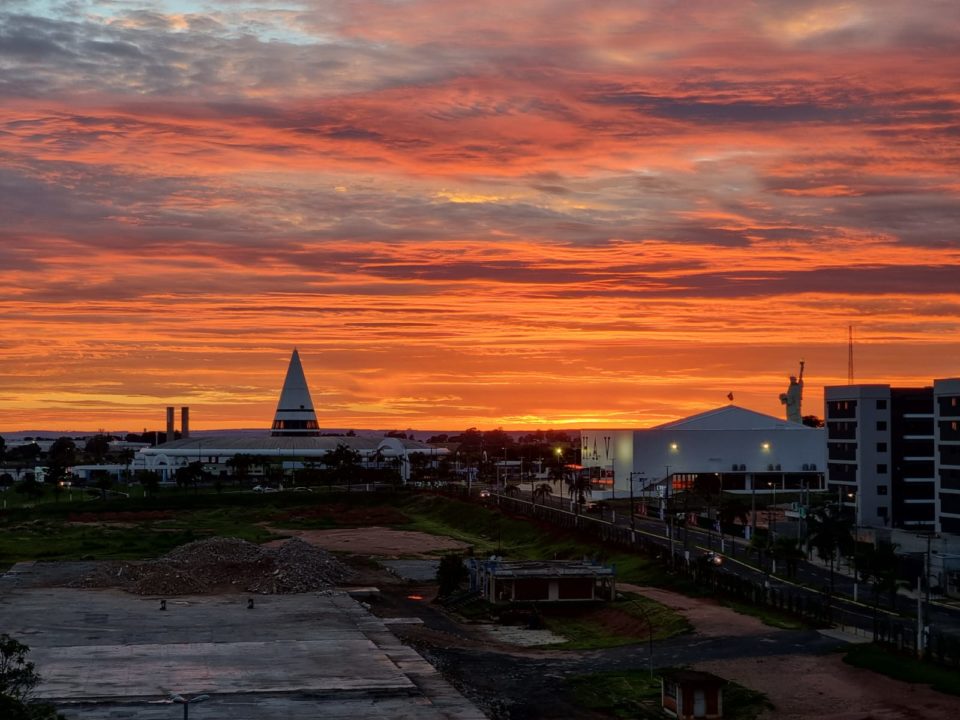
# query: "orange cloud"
504,216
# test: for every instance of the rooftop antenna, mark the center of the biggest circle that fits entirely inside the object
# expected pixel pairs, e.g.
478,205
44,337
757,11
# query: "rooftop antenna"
850,355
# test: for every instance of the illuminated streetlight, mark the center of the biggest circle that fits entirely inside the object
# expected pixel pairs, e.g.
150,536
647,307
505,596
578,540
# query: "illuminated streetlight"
177,699
186,703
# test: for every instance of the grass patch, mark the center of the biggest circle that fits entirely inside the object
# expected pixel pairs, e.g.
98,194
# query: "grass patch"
634,694
623,622
105,536
47,541
902,667
490,531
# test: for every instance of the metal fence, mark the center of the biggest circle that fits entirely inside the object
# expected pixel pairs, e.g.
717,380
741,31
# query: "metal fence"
816,607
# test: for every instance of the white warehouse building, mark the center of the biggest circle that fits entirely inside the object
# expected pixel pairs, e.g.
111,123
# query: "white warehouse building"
294,442
750,451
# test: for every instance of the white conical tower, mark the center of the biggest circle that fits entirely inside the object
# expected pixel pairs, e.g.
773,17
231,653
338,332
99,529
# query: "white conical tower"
295,416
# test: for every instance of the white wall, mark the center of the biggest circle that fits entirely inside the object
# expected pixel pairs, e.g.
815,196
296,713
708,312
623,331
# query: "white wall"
691,450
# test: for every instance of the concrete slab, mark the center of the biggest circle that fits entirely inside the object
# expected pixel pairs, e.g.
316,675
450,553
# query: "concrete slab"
108,654
524,637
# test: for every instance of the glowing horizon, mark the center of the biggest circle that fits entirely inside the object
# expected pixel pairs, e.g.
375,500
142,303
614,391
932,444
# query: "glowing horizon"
553,214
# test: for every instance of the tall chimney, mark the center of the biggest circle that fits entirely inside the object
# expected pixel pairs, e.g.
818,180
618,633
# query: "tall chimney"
184,422
170,436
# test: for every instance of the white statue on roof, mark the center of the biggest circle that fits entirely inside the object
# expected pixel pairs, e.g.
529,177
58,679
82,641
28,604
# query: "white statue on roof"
793,397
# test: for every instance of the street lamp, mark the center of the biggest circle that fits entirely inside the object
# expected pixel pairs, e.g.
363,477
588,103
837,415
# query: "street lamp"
856,538
559,453
632,520
667,515
180,700
770,509
646,616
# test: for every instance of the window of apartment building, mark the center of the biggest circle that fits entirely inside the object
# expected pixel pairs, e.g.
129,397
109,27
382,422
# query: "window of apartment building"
881,404
882,511
882,469
881,424
881,489
881,447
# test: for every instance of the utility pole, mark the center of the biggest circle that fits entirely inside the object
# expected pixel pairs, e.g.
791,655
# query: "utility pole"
667,515
613,480
919,621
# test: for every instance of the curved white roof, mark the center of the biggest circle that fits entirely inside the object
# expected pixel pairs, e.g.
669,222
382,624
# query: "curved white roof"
732,417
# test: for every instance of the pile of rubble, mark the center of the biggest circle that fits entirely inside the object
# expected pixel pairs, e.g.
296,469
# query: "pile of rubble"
218,564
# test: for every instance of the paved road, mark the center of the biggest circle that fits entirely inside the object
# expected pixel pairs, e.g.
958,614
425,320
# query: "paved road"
811,578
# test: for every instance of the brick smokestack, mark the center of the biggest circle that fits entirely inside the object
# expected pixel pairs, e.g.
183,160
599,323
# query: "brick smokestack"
184,422
170,425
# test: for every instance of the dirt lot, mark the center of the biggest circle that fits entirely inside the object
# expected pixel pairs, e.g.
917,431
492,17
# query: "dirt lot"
514,683
804,686
380,541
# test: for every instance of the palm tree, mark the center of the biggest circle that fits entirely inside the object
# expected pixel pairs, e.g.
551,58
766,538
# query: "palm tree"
789,553
343,461
829,532
150,480
878,565
732,509
579,488
542,491
760,543
240,465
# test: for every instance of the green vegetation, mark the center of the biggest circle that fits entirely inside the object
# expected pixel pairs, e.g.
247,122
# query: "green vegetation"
901,667
490,531
634,694
127,529
18,678
624,622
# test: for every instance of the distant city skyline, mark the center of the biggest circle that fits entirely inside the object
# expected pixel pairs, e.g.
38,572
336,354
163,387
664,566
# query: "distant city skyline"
521,215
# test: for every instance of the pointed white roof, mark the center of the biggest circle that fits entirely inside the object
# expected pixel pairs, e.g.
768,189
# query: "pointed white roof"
732,417
295,414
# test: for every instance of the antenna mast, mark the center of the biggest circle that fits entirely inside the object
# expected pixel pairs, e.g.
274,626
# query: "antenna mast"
850,355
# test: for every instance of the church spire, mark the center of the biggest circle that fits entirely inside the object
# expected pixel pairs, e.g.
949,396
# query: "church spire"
295,416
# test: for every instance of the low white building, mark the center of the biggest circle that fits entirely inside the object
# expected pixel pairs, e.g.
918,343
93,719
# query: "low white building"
750,451
215,452
294,441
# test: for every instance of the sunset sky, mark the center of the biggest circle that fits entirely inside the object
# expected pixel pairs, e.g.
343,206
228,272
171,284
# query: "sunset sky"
536,213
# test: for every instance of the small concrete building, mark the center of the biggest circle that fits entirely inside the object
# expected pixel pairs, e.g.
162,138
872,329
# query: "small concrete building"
692,694
500,581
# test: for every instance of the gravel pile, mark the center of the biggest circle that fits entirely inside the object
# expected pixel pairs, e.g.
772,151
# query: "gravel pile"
218,564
